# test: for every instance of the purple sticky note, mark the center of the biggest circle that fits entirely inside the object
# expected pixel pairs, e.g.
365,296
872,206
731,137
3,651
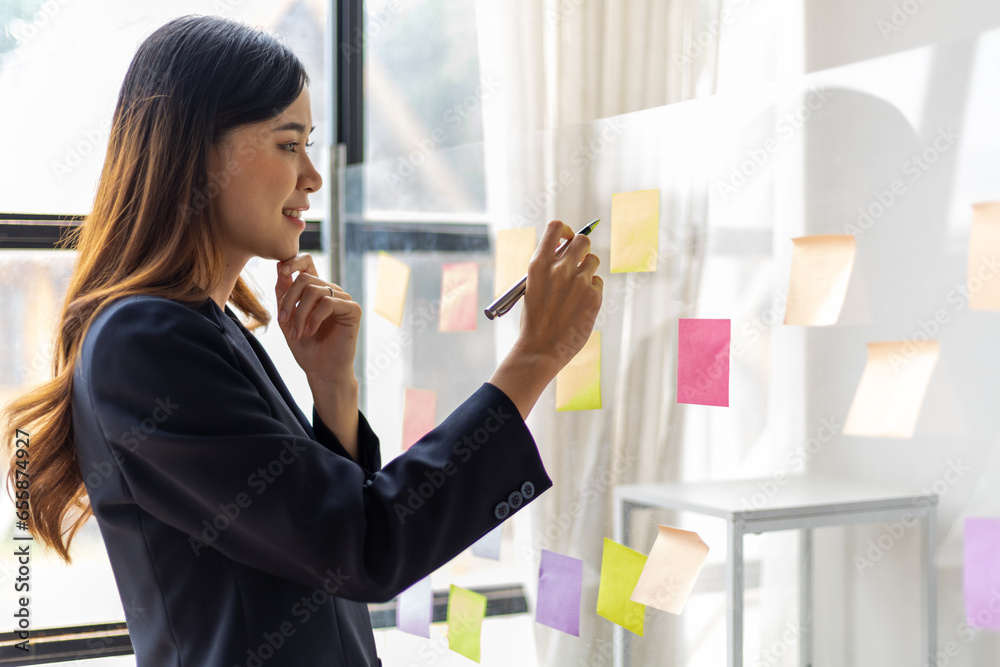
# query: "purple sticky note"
488,546
560,582
703,362
982,573
415,609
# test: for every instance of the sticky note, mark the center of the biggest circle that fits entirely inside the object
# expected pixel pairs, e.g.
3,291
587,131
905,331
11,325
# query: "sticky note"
560,584
466,610
578,384
488,546
514,250
984,257
415,609
887,402
459,294
821,269
419,414
703,362
392,279
671,570
981,577
620,570
635,224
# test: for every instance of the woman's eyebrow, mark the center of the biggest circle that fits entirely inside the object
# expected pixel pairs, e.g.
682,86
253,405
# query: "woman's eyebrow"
292,125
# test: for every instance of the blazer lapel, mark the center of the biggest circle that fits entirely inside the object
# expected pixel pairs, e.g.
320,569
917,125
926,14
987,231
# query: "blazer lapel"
258,367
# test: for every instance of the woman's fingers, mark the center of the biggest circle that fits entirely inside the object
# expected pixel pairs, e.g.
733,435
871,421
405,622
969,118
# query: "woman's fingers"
301,262
554,232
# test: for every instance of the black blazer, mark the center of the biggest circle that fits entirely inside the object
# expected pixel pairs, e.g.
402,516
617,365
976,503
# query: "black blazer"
241,535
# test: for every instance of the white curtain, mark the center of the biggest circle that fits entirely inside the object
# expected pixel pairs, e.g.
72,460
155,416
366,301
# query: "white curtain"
563,132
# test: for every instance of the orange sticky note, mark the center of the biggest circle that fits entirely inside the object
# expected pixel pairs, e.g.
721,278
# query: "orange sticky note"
459,292
635,223
821,269
419,414
391,283
578,384
892,389
514,250
670,570
984,257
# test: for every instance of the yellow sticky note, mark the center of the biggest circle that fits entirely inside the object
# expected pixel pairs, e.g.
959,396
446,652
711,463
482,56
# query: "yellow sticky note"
635,223
892,389
459,291
821,269
984,257
514,250
466,610
671,570
391,282
578,384
620,570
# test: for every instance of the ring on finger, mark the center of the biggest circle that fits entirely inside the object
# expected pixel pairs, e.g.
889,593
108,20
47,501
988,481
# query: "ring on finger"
331,290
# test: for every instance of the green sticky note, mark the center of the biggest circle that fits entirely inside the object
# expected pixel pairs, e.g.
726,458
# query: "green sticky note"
578,385
466,610
620,570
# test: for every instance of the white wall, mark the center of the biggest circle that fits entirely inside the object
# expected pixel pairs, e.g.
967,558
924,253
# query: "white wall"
910,263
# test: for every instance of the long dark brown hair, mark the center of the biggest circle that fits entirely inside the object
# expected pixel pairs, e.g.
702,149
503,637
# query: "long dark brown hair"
151,230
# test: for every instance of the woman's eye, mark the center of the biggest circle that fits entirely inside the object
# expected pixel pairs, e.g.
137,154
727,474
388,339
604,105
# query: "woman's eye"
291,147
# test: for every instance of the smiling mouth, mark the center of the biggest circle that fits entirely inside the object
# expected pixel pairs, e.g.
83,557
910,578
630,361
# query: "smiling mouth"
292,212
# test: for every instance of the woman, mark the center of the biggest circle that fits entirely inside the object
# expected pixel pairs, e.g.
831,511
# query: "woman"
239,532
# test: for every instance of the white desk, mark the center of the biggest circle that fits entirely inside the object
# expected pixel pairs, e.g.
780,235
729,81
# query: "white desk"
799,503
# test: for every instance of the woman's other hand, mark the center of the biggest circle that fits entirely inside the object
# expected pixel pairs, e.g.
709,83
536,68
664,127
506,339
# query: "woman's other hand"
561,301
319,319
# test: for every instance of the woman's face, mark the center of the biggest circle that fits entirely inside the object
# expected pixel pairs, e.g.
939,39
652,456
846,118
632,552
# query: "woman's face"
263,174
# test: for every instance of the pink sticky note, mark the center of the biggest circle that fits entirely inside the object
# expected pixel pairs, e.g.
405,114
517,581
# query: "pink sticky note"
560,584
459,292
703,362
419,414
982,573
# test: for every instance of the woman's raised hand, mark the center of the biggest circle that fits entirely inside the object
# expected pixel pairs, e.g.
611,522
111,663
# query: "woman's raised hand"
561,301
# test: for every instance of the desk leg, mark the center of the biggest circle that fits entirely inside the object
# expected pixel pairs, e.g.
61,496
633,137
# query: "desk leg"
805,596
623,515
734,593
929,601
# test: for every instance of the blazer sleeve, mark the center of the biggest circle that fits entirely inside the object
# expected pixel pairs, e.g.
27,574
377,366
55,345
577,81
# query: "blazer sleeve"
195,442
369,454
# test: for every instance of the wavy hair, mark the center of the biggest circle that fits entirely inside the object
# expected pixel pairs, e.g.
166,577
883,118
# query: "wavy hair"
151,229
